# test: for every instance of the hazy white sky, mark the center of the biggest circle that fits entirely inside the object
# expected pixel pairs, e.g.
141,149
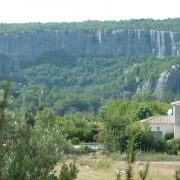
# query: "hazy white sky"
80,10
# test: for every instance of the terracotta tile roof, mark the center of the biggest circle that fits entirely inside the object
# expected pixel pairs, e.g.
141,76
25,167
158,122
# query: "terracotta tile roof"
177,103
159,120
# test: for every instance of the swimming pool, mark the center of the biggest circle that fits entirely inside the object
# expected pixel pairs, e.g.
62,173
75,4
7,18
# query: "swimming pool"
94,145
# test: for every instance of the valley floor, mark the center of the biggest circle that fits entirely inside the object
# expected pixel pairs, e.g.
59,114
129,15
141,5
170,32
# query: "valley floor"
100,167
158,171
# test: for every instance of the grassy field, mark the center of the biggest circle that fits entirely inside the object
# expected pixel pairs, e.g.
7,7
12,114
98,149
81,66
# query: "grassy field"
156,172
98,167
146,157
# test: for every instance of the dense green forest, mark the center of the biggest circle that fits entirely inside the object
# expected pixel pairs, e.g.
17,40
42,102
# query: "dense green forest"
166,25
87,83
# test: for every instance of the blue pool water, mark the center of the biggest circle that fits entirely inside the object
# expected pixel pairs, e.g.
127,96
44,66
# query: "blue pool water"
94,145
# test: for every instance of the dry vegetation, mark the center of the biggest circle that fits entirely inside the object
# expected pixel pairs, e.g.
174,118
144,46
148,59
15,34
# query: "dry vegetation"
157,171
103,168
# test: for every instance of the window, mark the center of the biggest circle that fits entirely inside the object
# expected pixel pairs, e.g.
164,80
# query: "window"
158,128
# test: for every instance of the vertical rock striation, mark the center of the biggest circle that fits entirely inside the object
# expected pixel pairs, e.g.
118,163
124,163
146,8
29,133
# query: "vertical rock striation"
29,45
169,81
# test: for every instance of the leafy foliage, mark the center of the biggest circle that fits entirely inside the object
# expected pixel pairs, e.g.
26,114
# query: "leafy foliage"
3,106
167,24
131,156
80,127
68,172
143,173
177,176
29,150
89,82
121,118
173,146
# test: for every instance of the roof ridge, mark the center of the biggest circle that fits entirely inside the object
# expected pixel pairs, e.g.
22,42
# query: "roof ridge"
159,119
175,102
152,117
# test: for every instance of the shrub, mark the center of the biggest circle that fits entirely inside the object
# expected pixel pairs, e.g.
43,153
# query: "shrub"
82,150
143,173
104,163
169,136
173,146
75,140
68,172
86,150
131,156
177,174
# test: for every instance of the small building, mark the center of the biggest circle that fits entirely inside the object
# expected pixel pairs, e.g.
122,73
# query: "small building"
166,124
160,125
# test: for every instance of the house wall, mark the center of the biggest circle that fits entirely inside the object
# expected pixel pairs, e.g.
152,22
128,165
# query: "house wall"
165,128
176,131
176,114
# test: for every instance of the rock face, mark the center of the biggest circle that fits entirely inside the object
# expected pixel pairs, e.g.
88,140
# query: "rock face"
31,44
149,85
169,81
8,64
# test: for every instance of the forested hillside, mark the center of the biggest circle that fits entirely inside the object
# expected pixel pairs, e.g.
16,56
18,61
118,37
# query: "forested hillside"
74,67
90,82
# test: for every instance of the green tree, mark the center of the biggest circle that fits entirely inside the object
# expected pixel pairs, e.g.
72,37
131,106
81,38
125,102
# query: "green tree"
30,150
3,106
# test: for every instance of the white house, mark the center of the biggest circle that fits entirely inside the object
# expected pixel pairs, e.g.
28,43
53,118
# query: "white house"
164,124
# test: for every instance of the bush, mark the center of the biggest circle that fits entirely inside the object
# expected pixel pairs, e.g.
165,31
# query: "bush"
68,172
158,145
143,173
82,150
86,150
177,174
75,140
173,146
169,136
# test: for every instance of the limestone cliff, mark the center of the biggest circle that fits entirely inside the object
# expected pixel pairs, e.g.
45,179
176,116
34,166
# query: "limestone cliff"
8,64
169,81
29,45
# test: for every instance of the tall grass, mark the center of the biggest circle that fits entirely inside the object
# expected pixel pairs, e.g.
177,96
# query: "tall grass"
177,174
157,157
146,157
104,163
